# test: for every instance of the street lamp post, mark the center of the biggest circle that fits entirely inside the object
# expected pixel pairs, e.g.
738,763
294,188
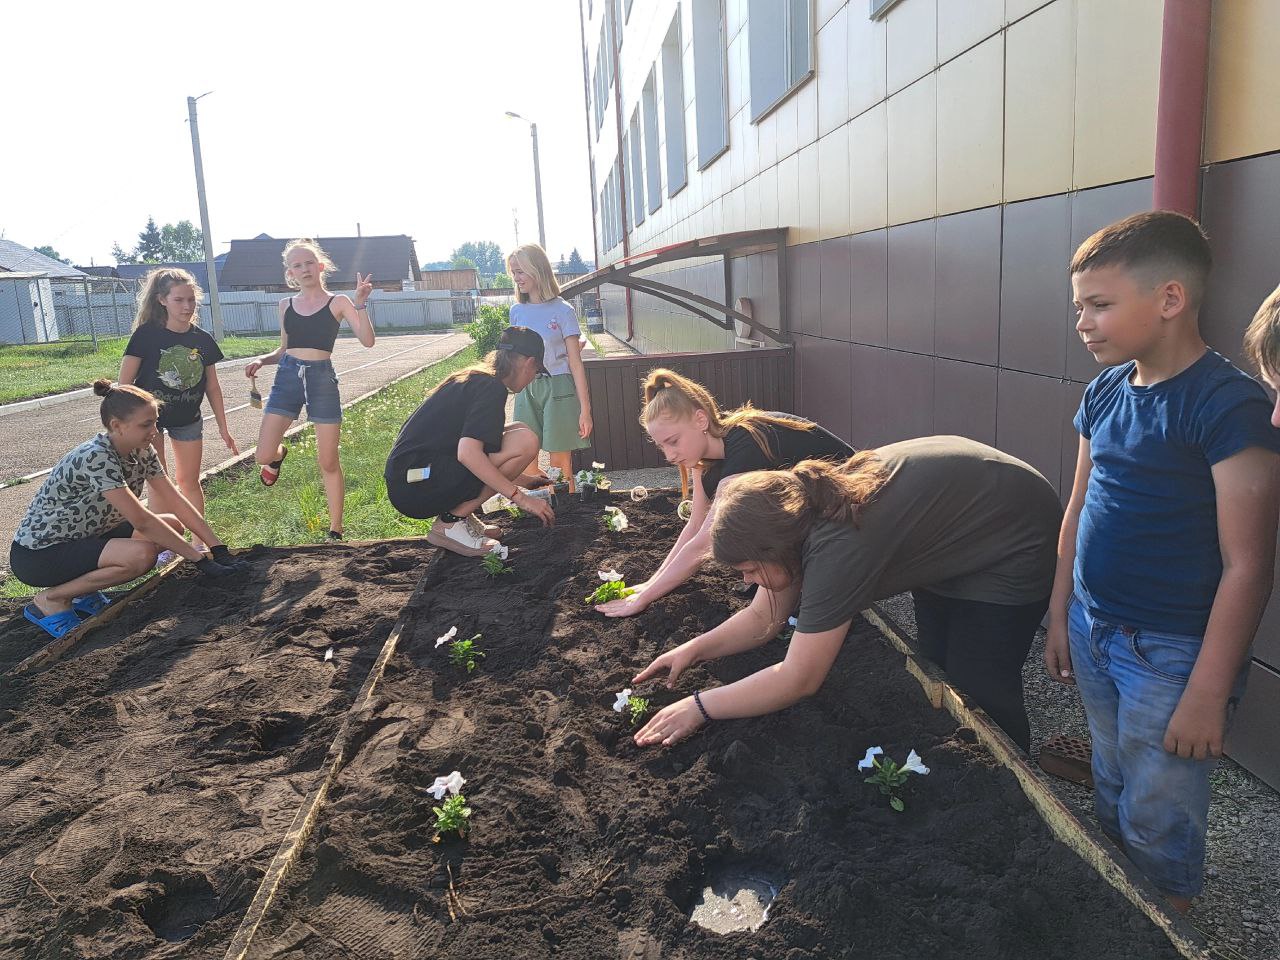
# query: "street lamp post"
537,176
214,306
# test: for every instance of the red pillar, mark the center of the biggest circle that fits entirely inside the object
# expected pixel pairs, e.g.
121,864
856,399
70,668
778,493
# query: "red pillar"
1184,74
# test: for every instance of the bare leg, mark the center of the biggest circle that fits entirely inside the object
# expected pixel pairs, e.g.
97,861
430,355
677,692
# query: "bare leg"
122,560
270,433
186,468
157,499
564,460
331,470
519,448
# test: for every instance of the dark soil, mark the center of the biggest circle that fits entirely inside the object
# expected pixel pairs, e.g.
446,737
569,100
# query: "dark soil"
584,846
147,778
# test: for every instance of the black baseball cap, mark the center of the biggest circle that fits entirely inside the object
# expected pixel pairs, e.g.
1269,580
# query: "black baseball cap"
526,342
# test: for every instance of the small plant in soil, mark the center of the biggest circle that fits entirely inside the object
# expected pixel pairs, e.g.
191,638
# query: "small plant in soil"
514,512
889,776
453,814
613,588
495,562
637,708
614,520
462,653
589,481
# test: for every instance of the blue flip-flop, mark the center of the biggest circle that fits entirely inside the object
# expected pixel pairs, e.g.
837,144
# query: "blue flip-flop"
54,624
91,604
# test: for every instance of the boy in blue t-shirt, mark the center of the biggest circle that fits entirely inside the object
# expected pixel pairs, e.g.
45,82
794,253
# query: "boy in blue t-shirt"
1168,542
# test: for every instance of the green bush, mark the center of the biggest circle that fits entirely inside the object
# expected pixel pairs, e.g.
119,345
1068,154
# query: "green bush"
490,321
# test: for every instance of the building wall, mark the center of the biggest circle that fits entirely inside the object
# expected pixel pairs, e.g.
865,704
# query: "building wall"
936,172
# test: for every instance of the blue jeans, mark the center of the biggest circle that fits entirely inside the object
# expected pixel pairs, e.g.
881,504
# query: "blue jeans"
312,382
1153,803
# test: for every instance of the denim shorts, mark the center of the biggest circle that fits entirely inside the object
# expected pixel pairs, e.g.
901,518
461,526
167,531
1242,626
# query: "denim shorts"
1153,803
188,432
310,382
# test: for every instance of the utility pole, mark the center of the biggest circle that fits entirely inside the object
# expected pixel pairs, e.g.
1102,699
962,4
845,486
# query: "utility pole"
537,177
515,222
214,306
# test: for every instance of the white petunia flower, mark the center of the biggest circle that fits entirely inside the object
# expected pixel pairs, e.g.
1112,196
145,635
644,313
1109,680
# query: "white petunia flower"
609,576
441,641
554,473
914,764
867,762
595,465
621,703
500,550
617,519
452,783
328,655
792,622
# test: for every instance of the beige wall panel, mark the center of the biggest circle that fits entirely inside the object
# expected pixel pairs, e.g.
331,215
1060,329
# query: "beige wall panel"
1016,9
737,77
971,128
785,128
1117,81
762,195
789,195
767,140
912,126
963,23
737,156
750,146
833,184
868,170
807,113
866,61
1244,80
824,10
809,188
832,62
735,16
1039,92
912,41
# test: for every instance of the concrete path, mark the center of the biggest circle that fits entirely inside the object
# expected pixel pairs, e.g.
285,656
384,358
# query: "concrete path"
35,440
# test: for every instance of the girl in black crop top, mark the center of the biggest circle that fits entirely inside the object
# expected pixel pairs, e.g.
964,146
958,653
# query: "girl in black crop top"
309,323
688,427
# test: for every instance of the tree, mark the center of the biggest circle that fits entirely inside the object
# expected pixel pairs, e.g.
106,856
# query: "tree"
172,243
575,262
51,253
502,282
150,248
486,256
462,263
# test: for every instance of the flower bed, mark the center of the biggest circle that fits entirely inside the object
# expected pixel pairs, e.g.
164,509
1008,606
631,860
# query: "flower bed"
579,844
147,777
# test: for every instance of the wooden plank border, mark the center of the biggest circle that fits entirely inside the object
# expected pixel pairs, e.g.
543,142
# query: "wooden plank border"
1087,841
339,753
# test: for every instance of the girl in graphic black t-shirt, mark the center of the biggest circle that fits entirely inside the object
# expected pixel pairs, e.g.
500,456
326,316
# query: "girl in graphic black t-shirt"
686,423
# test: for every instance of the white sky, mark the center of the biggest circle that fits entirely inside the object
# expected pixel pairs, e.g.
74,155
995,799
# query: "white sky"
322,115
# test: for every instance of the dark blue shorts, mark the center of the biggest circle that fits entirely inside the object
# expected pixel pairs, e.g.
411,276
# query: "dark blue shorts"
310,382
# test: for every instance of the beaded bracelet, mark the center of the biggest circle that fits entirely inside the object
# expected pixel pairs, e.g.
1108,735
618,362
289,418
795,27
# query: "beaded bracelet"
362,306
697,698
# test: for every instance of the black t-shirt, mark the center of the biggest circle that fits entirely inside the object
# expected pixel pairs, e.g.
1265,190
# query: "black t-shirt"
173,368
789,446
475,407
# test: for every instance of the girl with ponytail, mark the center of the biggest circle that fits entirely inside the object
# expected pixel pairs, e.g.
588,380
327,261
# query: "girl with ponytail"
688,427
970,531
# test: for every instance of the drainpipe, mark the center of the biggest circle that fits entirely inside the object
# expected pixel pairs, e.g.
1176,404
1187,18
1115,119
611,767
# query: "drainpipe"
1184,73
609,15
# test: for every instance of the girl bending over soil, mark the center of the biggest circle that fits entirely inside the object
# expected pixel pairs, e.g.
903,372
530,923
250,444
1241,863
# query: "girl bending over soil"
971,531
309,325
686,423
456,450
169,356
86,529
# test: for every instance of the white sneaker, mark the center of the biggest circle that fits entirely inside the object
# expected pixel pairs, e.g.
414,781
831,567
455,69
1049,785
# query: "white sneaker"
457,538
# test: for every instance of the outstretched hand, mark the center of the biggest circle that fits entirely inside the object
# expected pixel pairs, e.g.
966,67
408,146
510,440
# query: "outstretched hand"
537,506
671,724
627,606
675,662
364,287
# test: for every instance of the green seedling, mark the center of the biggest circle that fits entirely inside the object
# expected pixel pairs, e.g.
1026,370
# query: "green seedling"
494,565
889,776
609,590
635,707
515,512
452,816
464,653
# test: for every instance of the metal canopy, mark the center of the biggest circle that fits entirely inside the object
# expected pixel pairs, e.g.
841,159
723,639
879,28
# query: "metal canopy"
724,245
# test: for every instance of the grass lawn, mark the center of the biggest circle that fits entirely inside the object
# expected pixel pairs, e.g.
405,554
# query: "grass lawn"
38,370
244,512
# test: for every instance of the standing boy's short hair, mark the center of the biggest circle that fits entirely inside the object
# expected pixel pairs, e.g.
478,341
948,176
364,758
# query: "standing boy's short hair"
1262,338
1160,245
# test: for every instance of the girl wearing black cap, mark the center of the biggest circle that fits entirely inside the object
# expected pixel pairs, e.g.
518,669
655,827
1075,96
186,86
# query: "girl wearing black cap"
457,450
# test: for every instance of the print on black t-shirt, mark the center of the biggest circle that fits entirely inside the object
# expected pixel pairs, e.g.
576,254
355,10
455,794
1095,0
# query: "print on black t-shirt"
173,368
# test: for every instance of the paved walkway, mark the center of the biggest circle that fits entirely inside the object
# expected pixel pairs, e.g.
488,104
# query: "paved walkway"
34,440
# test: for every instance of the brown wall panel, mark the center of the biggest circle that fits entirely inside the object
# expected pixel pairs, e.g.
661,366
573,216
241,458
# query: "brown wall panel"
1072,394
909,397
967,286
835,259
911,291
870,397
806,290
1035,291
1028,424
829,375
1252,740
868,288
964,400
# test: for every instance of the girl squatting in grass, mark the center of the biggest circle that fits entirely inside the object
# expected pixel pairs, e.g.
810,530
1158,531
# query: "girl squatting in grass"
169,356
457,450
557,408
87,530
685,422
309,323
968,529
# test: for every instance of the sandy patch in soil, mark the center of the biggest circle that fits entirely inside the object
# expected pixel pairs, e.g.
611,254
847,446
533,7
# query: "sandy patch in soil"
585,846
147,778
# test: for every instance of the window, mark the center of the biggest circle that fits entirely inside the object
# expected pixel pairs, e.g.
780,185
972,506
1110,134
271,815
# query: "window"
781,41
673,107
880,7
708,80
637,172
653,174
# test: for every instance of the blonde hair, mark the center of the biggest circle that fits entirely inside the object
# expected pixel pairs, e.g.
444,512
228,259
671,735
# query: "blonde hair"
764,516
156,286
1262,337
533,261
668,394
322,258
